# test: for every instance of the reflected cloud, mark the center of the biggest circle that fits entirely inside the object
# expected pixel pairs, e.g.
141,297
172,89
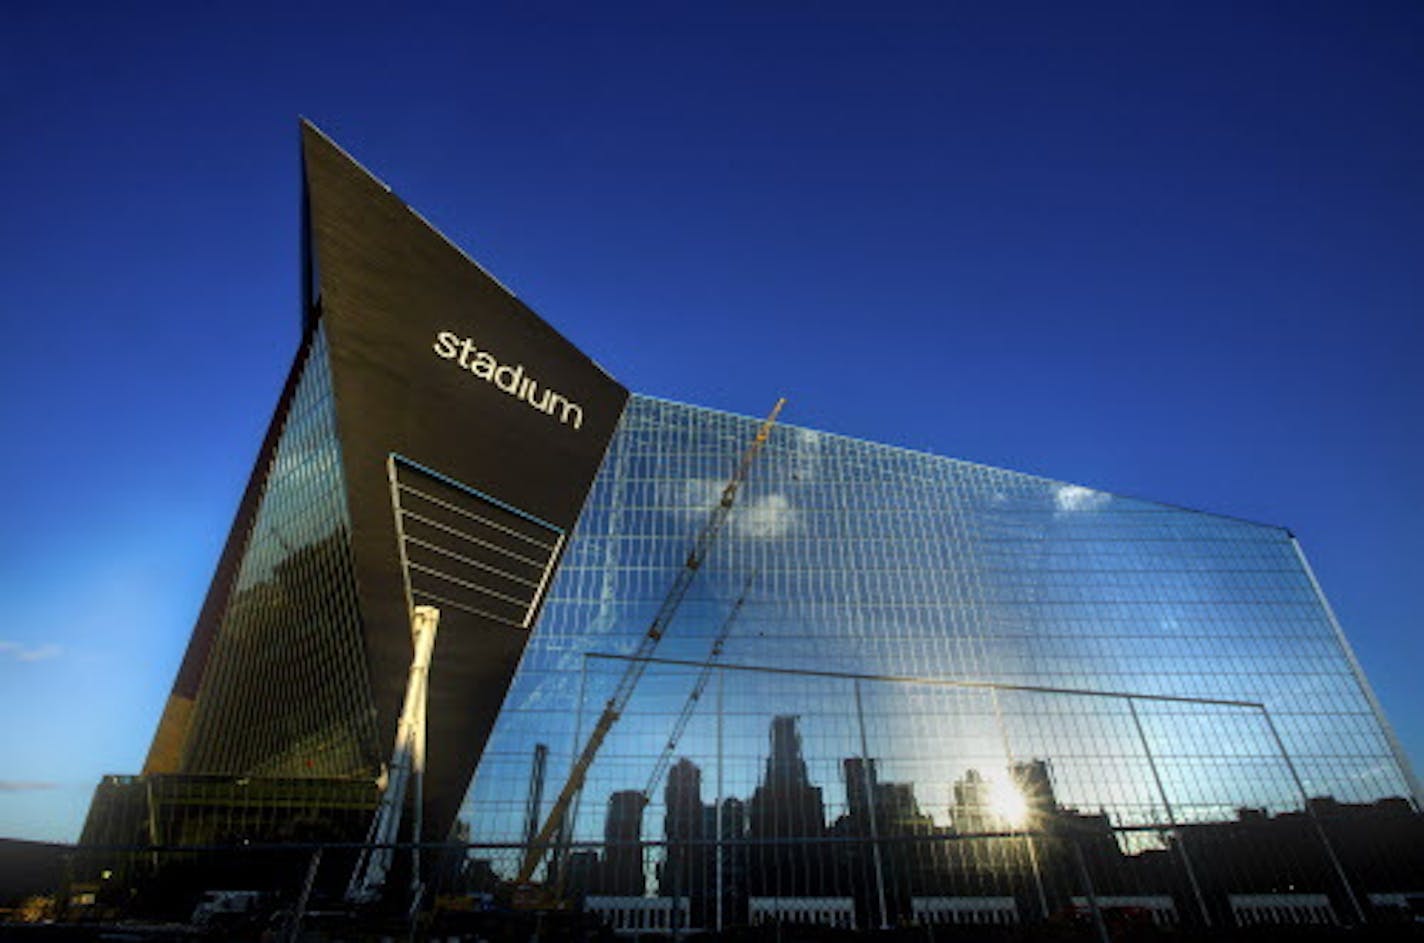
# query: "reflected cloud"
806,459
17,651
697,495
1070,499
766,518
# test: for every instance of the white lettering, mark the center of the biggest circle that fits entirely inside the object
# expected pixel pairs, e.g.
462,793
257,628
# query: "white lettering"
508,378
445,345
484,366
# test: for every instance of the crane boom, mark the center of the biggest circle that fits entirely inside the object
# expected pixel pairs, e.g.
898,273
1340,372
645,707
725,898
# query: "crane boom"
690,707
613,709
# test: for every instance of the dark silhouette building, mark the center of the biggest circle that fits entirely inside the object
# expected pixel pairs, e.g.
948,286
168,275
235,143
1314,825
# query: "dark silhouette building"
689,862
623,844
786,807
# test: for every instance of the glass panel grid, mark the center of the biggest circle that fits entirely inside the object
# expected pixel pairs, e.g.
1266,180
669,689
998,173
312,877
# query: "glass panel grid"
869,560
286,691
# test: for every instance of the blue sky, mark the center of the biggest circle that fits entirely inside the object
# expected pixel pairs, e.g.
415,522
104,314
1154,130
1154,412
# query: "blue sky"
1167,250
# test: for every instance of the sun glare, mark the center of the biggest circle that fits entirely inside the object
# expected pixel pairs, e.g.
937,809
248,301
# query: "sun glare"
1008,803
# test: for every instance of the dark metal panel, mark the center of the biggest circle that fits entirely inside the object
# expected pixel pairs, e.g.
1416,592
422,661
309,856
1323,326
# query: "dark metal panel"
433,360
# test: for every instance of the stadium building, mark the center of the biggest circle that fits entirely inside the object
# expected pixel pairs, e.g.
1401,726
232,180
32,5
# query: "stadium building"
900,689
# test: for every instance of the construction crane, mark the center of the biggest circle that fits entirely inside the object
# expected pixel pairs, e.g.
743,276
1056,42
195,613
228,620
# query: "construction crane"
405,773
616,704
689,708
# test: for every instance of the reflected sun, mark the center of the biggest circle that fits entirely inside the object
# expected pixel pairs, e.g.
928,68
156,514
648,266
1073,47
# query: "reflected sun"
1008,803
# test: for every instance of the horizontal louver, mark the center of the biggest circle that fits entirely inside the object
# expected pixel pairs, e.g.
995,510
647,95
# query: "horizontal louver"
469,551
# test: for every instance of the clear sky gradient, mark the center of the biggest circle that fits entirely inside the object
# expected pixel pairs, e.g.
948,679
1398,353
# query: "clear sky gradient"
1170,250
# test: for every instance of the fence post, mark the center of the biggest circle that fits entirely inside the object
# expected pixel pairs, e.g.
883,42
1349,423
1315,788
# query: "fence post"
1028,835
870,809
1171,816
1315,820
721,679
1099,926
294,926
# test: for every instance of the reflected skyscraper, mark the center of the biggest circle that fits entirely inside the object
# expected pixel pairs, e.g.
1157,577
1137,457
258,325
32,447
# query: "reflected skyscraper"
786,804
689,859
1034,784
623,841
975,808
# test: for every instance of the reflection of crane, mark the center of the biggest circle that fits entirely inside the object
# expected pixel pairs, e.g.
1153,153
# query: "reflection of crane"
688,709
534,854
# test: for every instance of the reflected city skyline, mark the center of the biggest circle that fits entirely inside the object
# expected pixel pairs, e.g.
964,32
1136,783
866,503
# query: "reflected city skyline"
1008,839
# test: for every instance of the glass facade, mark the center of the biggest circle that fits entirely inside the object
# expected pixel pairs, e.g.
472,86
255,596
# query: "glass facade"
902,689
921,688
286,691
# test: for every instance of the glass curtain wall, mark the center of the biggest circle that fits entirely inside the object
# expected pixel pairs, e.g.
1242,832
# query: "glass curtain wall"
286,692
906,687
